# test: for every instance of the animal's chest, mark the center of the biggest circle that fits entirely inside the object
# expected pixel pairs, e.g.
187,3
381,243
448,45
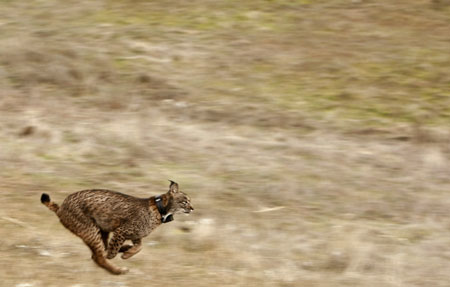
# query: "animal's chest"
141,226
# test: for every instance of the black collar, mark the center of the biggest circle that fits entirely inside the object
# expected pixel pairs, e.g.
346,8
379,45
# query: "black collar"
162,210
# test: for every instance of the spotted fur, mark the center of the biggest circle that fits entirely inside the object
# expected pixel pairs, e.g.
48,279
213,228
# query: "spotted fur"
105,219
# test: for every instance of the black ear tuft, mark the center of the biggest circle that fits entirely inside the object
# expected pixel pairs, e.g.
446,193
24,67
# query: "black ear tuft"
45,198
173,188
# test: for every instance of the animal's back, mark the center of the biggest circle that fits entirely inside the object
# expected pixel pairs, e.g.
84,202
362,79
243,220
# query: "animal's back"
107,209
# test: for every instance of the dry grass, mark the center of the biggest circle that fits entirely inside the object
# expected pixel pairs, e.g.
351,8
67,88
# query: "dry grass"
330,117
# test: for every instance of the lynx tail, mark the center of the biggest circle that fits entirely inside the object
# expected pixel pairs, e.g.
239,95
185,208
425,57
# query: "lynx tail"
45,199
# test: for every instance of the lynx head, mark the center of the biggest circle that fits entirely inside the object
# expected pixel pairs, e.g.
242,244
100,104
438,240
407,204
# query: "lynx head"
181,202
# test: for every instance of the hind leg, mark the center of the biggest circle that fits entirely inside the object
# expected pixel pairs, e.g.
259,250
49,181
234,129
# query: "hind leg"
105,236
95,242
93,238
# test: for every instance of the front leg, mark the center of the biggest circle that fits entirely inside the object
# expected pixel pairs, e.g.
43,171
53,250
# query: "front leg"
137,246
115,243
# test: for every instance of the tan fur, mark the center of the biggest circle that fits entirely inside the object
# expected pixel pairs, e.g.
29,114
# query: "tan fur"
104,219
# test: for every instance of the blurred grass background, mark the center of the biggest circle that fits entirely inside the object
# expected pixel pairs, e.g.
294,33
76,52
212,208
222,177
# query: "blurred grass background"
312,136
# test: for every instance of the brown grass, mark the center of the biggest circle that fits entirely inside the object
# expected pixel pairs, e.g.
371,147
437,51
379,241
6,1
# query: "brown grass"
312,136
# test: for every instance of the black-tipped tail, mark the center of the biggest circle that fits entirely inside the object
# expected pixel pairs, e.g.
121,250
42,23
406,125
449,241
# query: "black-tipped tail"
45,198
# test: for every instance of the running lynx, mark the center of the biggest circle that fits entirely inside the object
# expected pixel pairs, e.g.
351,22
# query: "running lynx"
93,214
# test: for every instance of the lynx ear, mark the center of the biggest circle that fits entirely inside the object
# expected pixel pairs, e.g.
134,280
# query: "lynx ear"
173,188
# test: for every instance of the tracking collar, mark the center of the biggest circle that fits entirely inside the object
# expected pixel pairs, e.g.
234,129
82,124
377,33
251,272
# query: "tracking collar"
162,210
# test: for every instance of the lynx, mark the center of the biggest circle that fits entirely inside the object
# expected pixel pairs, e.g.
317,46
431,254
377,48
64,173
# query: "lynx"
105,219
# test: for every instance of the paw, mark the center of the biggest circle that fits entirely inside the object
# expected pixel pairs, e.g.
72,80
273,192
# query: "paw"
127,255
131,252
123,270
119,270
